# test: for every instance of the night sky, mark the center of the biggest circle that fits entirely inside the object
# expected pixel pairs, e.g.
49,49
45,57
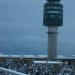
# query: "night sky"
21,27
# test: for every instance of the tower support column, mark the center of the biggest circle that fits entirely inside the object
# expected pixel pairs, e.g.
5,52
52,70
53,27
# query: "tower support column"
52,42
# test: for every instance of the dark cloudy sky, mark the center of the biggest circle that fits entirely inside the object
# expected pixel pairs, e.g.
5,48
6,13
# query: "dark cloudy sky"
21,26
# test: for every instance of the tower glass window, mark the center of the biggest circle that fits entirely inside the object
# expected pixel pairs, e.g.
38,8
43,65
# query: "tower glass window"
53,14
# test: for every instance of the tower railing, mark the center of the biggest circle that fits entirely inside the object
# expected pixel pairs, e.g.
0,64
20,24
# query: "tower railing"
4,71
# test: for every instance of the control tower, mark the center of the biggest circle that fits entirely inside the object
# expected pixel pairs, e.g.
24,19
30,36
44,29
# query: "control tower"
52,18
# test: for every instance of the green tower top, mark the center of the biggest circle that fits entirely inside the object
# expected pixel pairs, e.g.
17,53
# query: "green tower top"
53,13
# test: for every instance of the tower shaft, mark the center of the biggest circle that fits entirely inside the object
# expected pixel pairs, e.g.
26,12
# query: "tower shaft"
52,42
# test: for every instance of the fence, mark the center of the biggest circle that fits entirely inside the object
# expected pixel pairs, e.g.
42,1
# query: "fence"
10,72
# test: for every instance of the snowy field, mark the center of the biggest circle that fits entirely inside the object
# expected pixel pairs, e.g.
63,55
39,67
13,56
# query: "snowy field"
21,66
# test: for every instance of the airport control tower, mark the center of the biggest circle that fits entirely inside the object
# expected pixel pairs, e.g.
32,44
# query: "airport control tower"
52,18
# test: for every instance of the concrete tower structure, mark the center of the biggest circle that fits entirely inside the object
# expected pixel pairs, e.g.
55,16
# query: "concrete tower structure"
52,18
